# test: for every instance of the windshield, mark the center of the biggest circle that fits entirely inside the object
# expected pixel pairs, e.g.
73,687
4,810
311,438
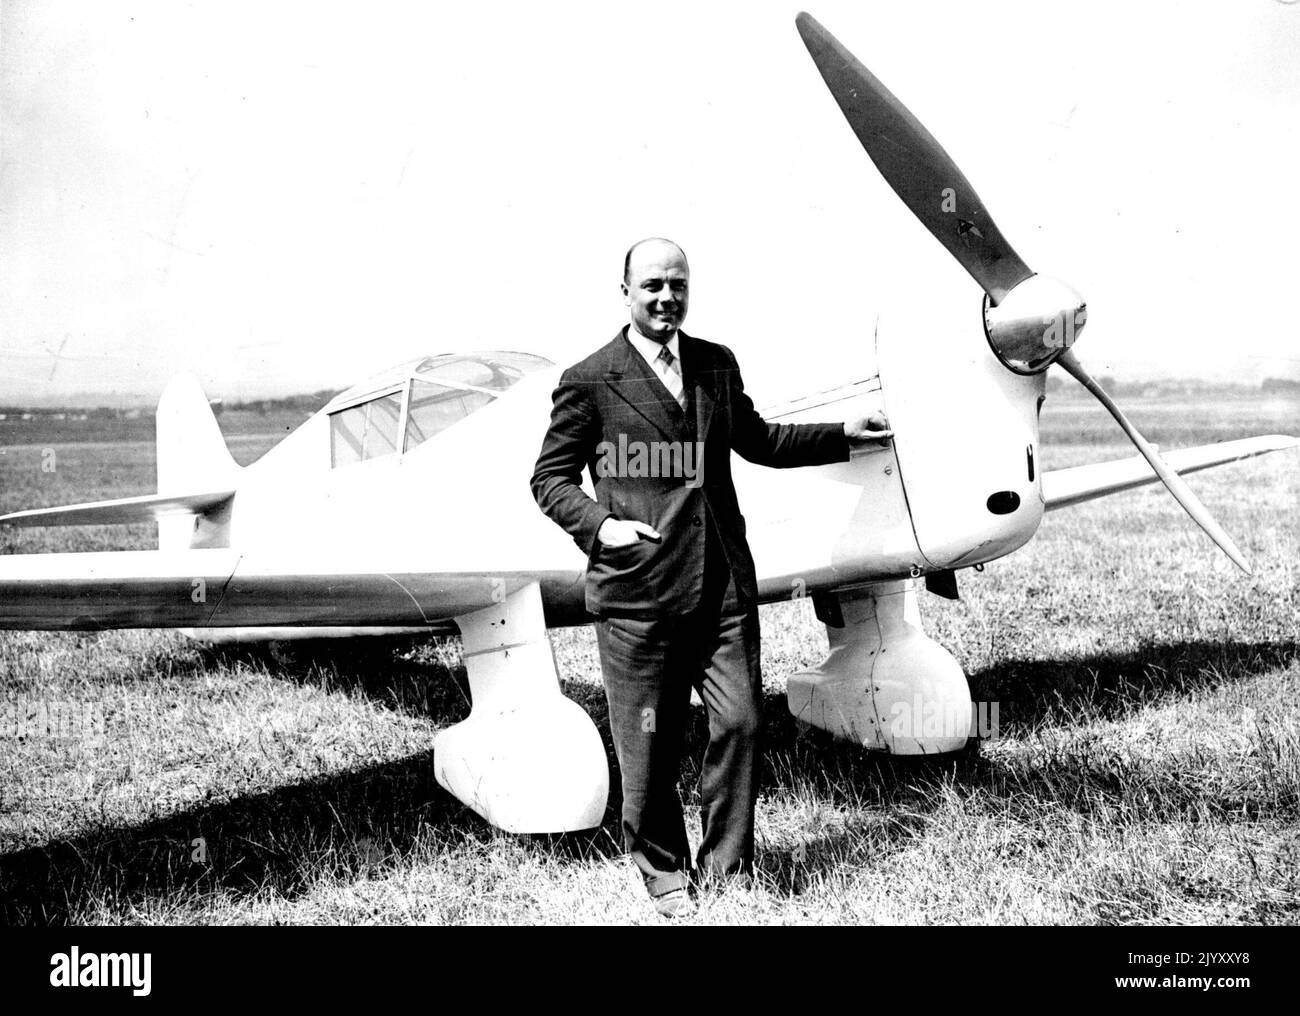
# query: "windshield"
491,371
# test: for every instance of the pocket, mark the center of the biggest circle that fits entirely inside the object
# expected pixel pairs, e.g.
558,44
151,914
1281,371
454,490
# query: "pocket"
627,552
626,558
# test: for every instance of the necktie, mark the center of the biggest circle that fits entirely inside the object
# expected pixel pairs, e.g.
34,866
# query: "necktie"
672,375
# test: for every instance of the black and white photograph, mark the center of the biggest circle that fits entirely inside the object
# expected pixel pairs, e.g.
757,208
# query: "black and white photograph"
664,464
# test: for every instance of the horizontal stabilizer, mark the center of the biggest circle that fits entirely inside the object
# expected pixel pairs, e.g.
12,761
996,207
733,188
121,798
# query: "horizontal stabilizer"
1065,487
123,511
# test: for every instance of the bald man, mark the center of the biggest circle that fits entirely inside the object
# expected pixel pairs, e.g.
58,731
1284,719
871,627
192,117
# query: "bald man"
654,415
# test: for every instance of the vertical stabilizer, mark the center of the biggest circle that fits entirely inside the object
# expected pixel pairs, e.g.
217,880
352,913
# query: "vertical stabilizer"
192,455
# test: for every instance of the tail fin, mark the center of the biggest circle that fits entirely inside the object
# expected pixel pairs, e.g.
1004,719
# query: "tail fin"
192,454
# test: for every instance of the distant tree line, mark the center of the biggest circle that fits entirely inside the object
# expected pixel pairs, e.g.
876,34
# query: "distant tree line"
306,403
98,413
1177,386
1280,386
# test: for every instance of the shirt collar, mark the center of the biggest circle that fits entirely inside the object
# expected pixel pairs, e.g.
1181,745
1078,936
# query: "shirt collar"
649,348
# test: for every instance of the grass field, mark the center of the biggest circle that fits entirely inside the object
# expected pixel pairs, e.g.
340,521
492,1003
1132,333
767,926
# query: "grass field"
1147,767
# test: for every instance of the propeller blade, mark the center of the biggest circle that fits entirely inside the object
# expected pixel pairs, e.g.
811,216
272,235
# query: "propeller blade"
1182,493
915,165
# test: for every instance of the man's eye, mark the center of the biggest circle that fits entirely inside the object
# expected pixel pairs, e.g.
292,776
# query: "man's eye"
653,287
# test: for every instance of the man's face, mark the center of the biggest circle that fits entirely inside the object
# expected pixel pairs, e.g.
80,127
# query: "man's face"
657,290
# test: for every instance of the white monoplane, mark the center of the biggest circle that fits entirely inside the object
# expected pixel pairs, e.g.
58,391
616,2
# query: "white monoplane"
361,521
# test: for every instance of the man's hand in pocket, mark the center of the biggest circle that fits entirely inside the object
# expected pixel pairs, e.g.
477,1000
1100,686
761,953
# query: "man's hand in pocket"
625,532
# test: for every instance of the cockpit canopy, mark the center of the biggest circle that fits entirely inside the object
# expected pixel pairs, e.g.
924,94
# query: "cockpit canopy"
406,405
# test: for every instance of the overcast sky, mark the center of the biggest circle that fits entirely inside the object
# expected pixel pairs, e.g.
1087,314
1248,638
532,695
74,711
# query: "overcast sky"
285,196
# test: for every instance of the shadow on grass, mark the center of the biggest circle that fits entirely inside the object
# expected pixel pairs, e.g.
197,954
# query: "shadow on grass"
279,840
1112,685
278,843
282,841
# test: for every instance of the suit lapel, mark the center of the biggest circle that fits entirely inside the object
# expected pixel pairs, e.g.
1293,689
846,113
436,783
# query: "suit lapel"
697,375
634,382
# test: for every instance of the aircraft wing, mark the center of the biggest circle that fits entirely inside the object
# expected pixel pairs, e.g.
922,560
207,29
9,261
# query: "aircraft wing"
1065,487
223,588
121,511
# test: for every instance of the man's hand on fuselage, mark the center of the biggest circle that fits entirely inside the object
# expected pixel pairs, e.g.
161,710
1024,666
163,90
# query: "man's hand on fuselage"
873,429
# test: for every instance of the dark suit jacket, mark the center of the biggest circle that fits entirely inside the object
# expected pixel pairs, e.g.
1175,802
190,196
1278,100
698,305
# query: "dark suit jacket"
614,396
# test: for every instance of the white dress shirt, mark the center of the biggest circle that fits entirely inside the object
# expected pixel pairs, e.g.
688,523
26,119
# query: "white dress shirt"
671,376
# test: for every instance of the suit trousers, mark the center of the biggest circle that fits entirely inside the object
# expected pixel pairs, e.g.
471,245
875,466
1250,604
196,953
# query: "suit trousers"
649,668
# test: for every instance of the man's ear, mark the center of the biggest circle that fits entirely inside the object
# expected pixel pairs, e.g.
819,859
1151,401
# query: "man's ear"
627,294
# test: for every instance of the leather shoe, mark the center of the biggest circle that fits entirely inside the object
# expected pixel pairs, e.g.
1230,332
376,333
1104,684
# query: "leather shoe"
674,903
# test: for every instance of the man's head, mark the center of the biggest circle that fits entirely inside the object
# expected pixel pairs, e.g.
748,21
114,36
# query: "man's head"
656,286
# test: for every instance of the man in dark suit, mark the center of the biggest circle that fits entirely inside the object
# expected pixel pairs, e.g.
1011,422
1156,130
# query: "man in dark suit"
654,416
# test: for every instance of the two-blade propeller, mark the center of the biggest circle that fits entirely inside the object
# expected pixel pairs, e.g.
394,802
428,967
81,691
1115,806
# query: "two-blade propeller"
1030,321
